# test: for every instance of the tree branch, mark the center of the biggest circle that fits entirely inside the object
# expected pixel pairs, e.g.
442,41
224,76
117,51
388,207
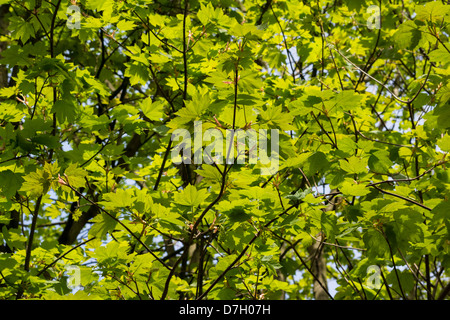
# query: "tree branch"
63,255
408,179
66,183
31,236
403,198
213,284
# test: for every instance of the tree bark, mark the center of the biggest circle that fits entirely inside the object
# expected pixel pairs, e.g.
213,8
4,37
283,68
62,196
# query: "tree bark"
3,31
14,214
319,268
319,263
73,228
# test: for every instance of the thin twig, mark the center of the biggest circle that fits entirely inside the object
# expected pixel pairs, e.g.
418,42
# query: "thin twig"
213,284
156,36
31,236
403,198
367,67
385,142
166,155
285,42
304,264
66,183
63,255
336,245
333,143
395,267
408,179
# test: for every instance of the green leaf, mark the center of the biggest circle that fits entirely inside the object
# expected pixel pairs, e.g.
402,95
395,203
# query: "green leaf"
441,213
317,162
137,72
165,214
191,197
39,182
125,25
379,161
152,110
99,5
210,172
10,182
238,214
352,189
111,254
432,11
119,199
208,14
245,30
376,244
23,30
47,140
299,195
348,100
406,280
328,222
249,80
407,35
354,165
347,145
75,176
443,113
7,92
195,107
114,91
13,238
440,55
65,111
224,263
444,143
103,224
143,202
10,112
275,117
408,228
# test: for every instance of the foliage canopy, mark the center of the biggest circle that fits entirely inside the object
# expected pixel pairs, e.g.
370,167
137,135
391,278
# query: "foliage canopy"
93,207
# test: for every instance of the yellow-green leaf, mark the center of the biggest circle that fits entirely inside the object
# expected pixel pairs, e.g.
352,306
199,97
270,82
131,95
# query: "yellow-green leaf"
191,197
